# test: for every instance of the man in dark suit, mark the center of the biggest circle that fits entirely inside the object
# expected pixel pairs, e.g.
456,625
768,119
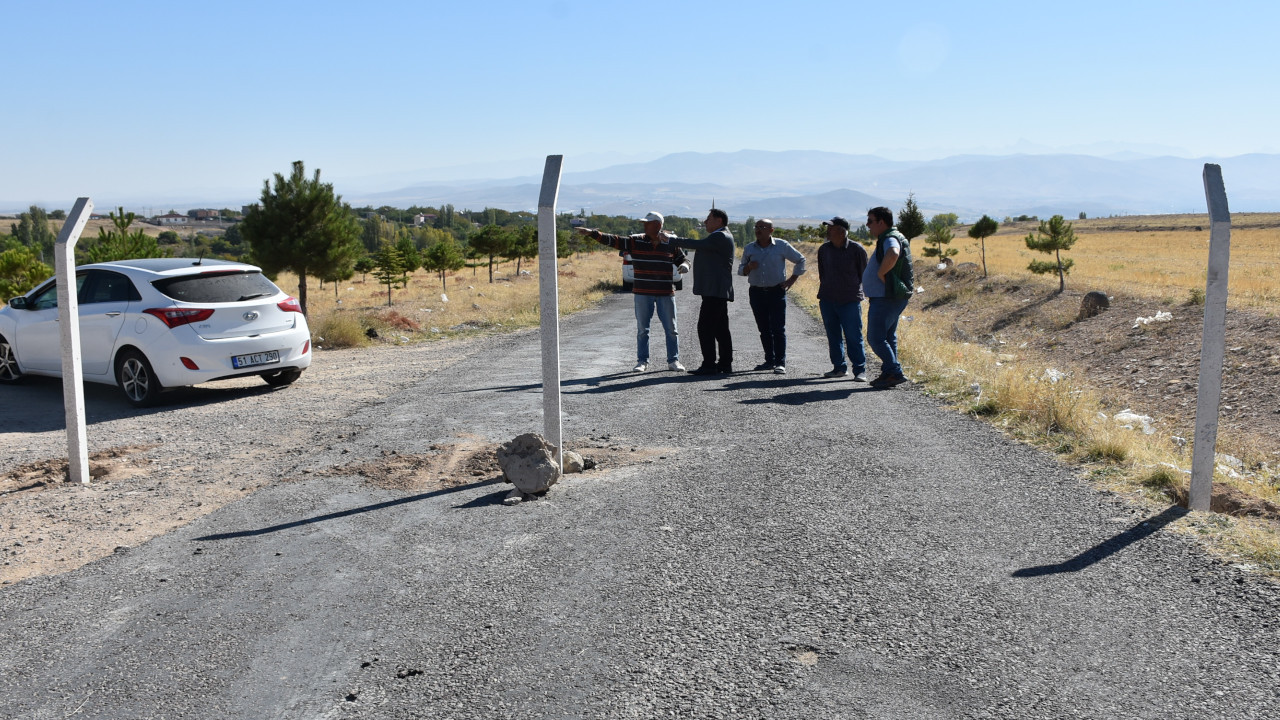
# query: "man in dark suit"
713,281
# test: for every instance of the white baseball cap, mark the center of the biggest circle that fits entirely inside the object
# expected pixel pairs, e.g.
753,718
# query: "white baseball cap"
652,217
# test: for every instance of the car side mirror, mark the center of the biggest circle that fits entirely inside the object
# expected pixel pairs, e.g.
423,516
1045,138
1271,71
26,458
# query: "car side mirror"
18,303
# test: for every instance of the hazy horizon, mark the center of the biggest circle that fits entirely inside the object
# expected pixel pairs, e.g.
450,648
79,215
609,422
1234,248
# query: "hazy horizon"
127,108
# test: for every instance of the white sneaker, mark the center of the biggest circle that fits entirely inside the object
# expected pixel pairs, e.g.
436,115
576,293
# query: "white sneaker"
640,367
675,366
779,369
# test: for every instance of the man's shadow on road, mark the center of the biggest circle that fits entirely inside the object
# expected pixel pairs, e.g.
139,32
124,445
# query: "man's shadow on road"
1107,548
490,499
606,383
766,381
824,391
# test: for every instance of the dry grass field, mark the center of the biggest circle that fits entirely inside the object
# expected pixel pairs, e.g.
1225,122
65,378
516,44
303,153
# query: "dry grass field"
1162,256
466,303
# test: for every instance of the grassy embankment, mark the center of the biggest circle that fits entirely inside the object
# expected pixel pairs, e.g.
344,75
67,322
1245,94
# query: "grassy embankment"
1160,257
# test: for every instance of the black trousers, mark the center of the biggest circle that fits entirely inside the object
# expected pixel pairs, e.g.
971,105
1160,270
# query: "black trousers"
769,305
713,329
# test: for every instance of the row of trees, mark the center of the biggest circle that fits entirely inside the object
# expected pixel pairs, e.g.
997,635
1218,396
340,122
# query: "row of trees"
1053,236
301,225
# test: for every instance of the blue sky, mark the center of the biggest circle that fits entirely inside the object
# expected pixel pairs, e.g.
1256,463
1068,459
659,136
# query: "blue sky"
167,100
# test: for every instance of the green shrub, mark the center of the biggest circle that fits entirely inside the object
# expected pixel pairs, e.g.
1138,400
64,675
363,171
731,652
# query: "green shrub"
339,330
1108,449
1159,478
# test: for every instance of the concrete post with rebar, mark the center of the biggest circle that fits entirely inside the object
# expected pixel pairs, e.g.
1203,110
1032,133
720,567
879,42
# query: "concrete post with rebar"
64,262
1213,340
549,303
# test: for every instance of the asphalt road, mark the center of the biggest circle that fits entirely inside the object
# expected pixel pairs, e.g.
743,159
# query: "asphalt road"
795,548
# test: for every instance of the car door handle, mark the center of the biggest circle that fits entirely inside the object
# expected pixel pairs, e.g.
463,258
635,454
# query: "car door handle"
113,314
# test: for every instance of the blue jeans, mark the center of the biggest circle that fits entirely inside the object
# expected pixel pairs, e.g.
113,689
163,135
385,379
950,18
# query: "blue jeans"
843,322
666,307
882,331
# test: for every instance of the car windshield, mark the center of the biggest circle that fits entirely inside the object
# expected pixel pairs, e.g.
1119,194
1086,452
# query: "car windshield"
217,287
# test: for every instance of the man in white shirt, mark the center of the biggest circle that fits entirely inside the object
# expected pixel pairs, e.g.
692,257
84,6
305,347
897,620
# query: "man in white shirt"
764,262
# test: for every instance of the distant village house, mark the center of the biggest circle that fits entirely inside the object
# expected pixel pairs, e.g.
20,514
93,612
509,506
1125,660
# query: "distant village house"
170,219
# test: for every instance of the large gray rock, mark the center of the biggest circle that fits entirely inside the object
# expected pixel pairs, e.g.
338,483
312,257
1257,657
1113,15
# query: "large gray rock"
529,463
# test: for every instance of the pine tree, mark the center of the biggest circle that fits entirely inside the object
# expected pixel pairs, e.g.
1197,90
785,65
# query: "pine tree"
524,244
981,230
388,268
938,233
32,230
910,220
301,225
444,257
20,270
120,244
492,241
1053,236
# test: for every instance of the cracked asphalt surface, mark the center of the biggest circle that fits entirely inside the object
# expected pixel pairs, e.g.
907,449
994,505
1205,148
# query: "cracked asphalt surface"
801,548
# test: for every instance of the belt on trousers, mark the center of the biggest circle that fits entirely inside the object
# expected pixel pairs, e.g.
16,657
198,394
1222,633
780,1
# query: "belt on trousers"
766,287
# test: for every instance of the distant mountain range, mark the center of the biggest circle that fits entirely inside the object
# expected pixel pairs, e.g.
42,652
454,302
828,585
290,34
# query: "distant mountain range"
814,184
809,185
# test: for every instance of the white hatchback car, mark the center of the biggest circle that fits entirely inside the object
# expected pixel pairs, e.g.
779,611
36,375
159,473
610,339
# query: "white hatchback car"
156,323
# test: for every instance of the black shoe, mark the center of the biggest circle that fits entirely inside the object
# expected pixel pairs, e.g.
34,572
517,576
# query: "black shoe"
888,381
763,366
704,370
724,369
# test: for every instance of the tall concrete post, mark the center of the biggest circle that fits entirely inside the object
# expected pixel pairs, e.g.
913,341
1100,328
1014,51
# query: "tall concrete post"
1213,340
549,303
64,259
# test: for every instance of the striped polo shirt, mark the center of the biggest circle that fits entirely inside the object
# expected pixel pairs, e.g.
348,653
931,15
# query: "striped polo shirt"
654,264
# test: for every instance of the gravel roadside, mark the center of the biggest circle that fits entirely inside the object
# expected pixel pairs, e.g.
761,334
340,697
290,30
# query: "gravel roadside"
775,550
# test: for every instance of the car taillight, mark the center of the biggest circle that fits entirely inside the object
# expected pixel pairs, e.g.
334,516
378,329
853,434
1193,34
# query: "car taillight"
306,347
173,317
289,304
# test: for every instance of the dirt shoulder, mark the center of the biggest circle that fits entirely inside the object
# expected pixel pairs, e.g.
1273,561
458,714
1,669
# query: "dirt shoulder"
1151,366
159,469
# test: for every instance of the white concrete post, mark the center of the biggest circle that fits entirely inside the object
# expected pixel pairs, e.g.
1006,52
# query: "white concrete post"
549,303
1213,340
64,259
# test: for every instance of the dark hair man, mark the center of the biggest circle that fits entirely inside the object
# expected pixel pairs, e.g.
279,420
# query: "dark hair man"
654,288
764,262
883,309
840,267
713,282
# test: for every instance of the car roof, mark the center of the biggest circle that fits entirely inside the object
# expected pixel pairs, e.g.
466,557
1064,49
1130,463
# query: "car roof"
173,266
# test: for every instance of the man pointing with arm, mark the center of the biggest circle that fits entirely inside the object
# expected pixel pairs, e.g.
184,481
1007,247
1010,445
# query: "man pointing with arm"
653,257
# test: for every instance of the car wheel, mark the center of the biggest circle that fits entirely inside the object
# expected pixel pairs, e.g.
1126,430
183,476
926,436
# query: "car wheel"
679,285
626,286
136,379
280,378
9,372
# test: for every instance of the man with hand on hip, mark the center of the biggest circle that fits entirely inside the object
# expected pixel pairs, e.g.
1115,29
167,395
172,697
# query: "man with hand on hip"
764,262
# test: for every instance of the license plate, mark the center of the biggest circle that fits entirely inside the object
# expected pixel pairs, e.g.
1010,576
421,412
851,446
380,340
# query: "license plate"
264,358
